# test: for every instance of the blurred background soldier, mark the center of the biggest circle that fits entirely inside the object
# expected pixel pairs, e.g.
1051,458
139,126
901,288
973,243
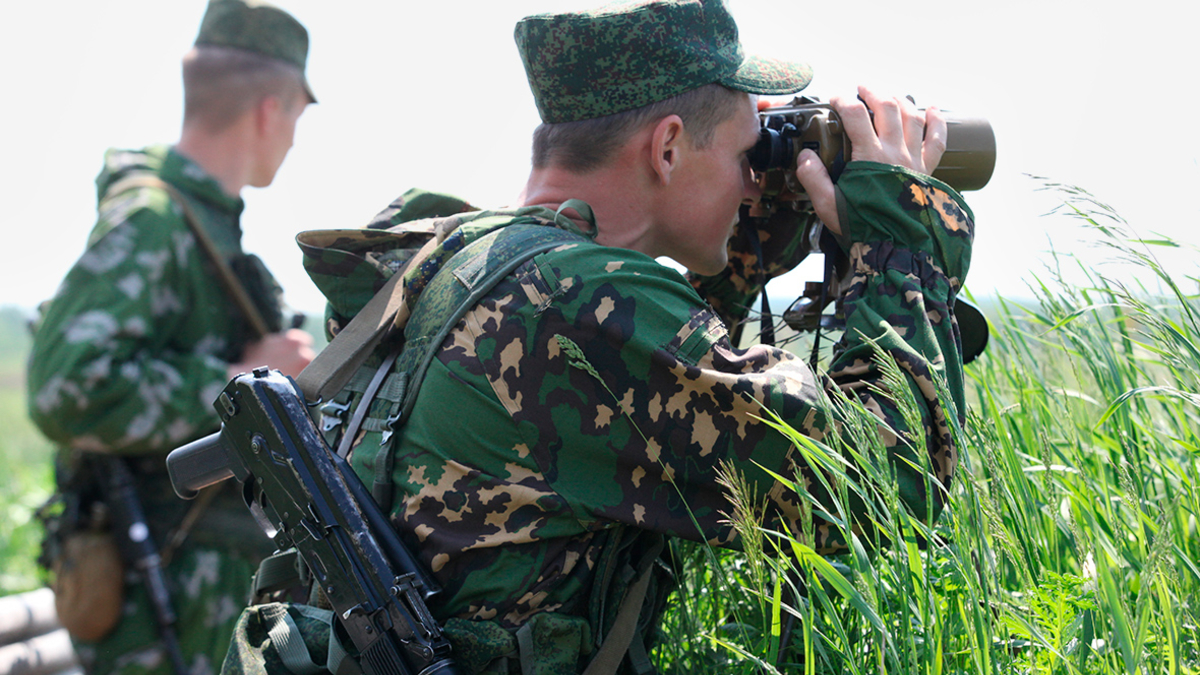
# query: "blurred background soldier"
153,319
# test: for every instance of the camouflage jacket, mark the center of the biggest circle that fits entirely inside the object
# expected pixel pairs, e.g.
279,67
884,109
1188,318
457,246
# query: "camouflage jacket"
595,391
133,348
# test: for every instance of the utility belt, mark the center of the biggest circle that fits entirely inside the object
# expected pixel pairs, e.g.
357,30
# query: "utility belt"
223,521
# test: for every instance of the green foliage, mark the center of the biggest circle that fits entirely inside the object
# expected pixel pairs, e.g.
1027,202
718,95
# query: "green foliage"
26,458
1069,544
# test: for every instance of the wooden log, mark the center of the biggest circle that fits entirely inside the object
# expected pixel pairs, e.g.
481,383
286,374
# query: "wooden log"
27,615
42,655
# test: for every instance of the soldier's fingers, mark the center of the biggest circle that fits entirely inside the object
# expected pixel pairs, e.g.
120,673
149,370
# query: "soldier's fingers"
934,146
857,123
812,175
914,132
889,124
299,336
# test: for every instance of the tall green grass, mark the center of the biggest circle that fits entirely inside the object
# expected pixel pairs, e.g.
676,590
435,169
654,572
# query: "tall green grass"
1069,544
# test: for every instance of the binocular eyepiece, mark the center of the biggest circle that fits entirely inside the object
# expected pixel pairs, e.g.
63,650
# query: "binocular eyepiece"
774,149
805,123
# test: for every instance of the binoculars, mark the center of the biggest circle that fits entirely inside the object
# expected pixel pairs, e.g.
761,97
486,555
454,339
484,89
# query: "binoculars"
967,164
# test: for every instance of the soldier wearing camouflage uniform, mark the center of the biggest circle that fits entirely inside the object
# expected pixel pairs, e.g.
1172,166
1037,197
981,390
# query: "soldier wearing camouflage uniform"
582,410
141,335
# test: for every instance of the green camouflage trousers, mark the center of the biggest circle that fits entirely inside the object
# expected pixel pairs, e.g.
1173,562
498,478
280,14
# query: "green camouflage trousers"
209,589
209,578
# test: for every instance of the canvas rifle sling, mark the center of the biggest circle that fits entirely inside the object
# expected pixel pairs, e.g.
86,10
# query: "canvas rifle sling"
236,292
386,312
226,277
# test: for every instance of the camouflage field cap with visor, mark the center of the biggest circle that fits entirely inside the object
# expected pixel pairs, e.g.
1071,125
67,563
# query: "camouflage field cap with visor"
627,55
259,27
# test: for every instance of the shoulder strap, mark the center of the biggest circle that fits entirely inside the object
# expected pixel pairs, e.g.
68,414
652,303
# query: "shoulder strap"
226,277
493,264
385,313
620,637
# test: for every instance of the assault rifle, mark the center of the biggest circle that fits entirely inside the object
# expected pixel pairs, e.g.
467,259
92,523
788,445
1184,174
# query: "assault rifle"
138,549
806,123
306,496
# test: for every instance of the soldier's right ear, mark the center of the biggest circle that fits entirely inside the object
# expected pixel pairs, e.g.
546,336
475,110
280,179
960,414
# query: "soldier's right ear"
666,142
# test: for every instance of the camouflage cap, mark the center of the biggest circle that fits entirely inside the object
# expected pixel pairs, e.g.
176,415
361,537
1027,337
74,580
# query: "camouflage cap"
623,56
259,27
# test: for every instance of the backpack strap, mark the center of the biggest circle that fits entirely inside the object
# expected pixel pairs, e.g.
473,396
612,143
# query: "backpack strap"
620,638
386,312
468,278
225,276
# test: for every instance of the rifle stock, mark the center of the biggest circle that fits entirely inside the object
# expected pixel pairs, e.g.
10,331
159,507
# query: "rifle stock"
307,497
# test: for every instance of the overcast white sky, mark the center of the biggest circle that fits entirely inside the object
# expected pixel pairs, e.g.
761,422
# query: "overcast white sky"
1100,94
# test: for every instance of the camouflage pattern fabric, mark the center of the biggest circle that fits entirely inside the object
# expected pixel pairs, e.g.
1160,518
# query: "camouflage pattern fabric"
731,291
258,624
128,357
623,56
602,394
209,581
259,27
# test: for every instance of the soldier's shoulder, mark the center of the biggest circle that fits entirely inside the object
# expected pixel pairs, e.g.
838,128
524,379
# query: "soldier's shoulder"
146,210
595,263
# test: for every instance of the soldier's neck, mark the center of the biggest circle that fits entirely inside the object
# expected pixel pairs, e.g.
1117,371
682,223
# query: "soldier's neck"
615,196
223,155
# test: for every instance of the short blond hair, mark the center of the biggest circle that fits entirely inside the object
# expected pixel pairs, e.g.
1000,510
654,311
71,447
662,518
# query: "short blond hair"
584,145
220,84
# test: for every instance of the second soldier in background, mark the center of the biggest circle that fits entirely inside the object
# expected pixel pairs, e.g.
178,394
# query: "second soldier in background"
143,333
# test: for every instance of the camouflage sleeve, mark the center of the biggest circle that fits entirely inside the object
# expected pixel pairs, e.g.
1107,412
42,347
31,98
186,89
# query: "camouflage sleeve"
909,240
637,398
776,241
110,368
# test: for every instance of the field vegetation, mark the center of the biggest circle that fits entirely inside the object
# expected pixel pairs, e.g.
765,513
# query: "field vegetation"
1069,544
26,457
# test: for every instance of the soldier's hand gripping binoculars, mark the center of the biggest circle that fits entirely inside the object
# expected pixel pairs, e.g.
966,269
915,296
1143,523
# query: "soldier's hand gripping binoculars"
806,123
967,164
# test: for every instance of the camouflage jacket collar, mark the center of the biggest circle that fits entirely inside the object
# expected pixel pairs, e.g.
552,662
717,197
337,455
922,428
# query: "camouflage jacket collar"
173,167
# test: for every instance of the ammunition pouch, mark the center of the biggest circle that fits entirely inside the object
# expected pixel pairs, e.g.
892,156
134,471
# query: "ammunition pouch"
87,574
82,553
89,584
